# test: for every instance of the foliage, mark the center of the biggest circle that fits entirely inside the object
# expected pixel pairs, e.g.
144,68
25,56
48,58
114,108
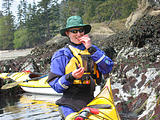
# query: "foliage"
6,26
6,32
6,4
40,22
89,12
22,12
114,10
21,38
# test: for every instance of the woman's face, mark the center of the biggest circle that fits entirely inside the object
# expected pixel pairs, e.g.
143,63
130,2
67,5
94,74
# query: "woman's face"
74,34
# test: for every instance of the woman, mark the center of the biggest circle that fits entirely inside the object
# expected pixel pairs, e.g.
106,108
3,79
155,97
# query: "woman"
77,68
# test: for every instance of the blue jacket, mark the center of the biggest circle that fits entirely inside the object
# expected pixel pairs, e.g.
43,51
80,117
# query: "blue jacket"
61,58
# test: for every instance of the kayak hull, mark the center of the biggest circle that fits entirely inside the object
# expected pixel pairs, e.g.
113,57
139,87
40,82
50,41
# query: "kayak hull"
103,104
40,90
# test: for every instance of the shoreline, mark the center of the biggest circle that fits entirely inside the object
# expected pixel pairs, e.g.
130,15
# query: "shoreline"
12,54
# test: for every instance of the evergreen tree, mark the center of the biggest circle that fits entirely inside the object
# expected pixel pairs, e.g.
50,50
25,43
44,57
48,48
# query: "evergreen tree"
1,14
22,12
6,32
21,38
7,26
54,18
44,8
32,26
68,8
116,9
89,8
6,5
64,14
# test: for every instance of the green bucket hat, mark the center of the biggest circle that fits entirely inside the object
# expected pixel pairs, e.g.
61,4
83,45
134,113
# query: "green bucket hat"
74,22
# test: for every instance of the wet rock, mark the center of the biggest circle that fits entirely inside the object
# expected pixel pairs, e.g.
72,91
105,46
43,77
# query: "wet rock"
137,69
115,92
138,105
141,83
9,92
156,115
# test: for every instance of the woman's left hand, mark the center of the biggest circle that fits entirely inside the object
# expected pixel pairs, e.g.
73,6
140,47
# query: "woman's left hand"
85,39
78,73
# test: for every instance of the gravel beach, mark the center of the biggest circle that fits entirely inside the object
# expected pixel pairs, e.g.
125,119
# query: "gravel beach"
12,54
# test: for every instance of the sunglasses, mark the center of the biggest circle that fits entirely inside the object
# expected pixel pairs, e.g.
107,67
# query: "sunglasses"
76,31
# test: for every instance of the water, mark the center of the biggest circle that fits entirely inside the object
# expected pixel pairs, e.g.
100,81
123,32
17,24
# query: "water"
29,107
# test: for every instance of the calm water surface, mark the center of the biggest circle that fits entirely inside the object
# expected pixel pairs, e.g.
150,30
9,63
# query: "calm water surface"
29,107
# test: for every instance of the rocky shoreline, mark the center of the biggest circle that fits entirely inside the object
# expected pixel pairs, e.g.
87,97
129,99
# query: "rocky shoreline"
136,73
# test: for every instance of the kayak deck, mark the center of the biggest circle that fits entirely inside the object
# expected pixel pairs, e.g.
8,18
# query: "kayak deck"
103,104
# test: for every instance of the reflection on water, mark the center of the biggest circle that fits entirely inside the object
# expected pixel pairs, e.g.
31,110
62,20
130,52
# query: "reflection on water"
29,107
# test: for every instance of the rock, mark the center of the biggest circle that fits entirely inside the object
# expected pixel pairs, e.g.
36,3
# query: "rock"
145,7
156,114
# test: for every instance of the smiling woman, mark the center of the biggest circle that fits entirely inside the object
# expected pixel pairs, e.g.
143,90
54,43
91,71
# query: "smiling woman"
77,68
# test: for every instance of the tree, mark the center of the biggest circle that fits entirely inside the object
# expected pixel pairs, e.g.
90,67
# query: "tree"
64,14
54,18
6,5
22,12
32,25
44,6
21,38
6,32
116,9
6,26
89,8
1,14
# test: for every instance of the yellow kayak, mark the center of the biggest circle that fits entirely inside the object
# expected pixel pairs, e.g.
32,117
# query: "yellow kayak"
29,82
100,108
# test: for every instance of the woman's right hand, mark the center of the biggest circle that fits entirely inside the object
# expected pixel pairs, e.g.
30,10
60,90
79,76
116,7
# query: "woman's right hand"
86,40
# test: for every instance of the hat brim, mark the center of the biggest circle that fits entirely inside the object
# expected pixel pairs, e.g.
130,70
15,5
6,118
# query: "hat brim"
87,29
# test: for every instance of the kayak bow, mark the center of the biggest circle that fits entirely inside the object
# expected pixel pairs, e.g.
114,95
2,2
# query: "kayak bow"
100,108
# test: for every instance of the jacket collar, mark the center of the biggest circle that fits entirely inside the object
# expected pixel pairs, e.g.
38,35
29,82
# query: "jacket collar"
79,46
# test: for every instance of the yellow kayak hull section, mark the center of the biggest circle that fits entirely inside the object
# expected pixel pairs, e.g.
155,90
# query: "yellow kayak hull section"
104,103
25,80
30,82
